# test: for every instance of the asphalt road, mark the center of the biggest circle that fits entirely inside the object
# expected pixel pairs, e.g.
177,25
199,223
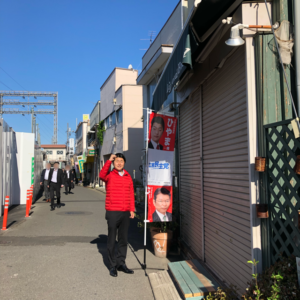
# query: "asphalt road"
62,254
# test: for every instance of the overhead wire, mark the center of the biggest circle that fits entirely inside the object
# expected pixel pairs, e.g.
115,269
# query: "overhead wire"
13,79
6,85
44,126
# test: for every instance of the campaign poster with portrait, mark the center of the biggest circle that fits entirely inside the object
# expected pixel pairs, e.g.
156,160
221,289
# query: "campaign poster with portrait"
162,132
161,143
160,203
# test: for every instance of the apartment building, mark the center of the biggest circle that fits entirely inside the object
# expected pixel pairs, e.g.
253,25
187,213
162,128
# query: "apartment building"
122,112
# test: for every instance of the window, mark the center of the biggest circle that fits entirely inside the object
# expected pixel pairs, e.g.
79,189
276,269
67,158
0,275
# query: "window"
113,119
151,88
60,152
107,124
49,152
119,116
109,121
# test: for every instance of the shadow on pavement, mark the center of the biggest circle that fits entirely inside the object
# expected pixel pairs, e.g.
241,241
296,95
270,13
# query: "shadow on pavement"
101,242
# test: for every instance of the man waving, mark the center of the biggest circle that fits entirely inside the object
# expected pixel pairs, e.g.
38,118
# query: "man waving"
120,206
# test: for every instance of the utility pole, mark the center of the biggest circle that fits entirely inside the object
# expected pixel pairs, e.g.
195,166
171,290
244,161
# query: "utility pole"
34,103
32,116
38,136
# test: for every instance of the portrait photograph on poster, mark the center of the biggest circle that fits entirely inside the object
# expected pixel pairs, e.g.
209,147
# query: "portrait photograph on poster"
162,132
160,203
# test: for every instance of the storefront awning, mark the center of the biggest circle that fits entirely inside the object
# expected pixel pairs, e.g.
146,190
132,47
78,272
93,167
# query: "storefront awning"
202,22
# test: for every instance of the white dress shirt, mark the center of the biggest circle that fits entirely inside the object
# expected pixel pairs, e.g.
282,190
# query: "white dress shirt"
121,173
155,145
68,174
161,216
47,174
54,176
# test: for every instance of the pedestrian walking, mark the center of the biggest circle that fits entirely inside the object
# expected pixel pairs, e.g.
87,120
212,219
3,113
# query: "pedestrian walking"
69,179
120,206
56,181
44,181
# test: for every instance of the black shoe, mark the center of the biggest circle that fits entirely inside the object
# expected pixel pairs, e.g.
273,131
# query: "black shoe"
123,268
52,208
113,272
58,206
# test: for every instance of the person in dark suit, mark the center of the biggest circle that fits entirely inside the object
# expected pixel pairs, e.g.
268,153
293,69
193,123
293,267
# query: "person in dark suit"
45,181
69,178
56,181
162,201
157,129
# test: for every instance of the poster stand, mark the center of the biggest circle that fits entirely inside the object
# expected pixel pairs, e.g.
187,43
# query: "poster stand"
144,266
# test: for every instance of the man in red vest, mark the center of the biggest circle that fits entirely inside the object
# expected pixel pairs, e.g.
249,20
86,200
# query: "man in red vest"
120,207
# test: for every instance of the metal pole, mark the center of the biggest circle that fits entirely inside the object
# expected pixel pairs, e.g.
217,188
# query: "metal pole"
297,49
146,191
283,70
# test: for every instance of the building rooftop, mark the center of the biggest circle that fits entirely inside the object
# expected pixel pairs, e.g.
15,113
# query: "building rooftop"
56,146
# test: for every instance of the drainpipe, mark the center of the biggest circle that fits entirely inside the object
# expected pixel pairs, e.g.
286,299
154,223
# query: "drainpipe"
297,49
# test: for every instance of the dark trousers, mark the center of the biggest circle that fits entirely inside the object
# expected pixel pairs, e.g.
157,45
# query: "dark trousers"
118,223
68,186
54,187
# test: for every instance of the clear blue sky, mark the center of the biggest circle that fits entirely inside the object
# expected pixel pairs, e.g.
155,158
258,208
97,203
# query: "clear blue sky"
70,47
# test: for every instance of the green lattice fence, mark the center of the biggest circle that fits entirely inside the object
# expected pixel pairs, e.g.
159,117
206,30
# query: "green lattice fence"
283,189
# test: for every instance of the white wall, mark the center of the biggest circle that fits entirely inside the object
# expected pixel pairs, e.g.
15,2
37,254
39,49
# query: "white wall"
25,152
107,94
115,80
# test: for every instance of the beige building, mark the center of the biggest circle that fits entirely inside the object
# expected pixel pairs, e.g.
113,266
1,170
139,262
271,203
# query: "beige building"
80,134
55,153
122,111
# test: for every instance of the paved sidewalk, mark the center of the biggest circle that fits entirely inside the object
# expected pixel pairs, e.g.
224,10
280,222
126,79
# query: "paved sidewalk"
62,254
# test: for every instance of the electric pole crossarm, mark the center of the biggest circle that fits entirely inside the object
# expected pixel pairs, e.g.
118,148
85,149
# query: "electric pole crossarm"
13,102
34,103
25,112
28,94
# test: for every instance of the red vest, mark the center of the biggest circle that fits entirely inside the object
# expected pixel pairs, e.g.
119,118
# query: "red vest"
119,189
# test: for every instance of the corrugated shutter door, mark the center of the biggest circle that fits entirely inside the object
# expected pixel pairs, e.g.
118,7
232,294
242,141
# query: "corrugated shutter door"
190,174
226,172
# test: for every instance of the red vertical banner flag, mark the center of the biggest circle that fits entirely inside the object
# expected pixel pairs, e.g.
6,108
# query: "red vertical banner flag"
162,134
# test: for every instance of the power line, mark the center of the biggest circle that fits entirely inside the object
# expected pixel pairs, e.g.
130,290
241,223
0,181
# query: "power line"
6,85
12,78
47,132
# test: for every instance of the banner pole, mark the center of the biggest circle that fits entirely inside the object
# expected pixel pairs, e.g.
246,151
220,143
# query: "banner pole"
146,191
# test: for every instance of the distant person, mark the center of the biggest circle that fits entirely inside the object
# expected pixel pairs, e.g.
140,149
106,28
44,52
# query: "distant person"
162,201
157,129
75,177
56,181
120,206
68,179
45,181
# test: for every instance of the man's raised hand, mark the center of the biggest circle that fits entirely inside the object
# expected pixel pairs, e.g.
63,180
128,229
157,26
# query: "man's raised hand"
112,157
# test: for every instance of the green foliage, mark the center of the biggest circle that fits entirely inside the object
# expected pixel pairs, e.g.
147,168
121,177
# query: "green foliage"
229,293
100,131
277,282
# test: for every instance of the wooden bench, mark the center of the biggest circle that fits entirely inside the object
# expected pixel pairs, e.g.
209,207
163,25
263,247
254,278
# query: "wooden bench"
193,279
163,286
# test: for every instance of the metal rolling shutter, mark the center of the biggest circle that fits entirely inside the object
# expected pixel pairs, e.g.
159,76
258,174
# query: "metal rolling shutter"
190,174
226,172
